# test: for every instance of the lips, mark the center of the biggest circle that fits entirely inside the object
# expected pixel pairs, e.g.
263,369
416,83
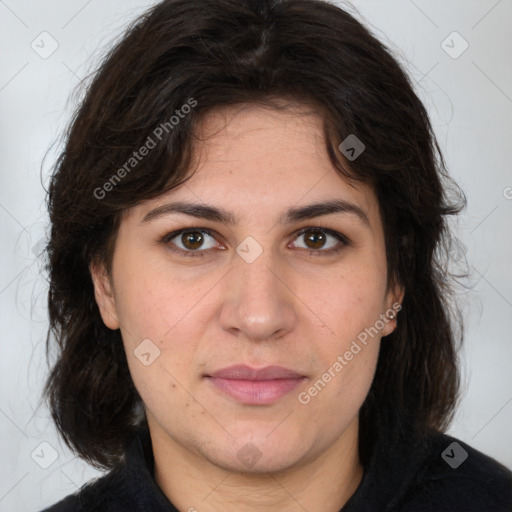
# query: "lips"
241,372
253,386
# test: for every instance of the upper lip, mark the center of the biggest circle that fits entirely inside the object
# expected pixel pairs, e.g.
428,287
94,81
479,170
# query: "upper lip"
243,372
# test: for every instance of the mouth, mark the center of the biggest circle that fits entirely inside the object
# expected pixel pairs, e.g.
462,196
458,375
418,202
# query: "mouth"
251,386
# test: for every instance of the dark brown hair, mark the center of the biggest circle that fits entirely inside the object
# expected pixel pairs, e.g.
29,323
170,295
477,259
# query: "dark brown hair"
215,53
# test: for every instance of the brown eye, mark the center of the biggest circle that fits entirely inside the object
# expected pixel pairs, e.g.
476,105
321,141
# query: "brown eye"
315,239
192,240
321,241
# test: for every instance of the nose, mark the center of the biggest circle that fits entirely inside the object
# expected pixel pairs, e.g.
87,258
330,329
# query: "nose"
259,303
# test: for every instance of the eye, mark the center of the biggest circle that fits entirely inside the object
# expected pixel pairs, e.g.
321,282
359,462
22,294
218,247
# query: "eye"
189,241
316,240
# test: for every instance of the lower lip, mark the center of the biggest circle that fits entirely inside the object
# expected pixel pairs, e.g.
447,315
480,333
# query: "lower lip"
255,392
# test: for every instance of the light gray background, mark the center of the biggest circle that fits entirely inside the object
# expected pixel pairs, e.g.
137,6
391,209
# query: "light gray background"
470,102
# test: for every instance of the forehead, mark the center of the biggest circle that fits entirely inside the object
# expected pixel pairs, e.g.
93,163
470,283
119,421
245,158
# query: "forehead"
256,160
268,152
253,133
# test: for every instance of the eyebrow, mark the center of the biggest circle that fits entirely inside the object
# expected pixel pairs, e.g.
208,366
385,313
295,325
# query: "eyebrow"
292,215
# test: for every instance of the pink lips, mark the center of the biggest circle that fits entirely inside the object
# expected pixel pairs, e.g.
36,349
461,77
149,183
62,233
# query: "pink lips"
253,386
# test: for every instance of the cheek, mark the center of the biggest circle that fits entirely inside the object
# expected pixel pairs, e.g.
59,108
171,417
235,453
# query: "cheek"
159,327
340,388
151,302
348,346
352,301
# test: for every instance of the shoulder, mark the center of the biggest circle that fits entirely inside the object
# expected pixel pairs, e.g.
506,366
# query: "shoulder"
105,494
128,487
454,476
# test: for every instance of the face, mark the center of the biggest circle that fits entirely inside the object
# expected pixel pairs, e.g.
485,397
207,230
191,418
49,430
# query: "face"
252,322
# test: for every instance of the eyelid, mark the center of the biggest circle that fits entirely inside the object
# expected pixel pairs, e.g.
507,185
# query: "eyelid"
343,239
336,234
174,234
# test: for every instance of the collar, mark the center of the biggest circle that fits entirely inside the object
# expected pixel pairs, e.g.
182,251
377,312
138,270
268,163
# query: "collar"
140,480
394,465
392,468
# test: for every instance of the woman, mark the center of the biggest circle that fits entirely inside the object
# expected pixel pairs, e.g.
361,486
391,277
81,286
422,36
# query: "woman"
246,278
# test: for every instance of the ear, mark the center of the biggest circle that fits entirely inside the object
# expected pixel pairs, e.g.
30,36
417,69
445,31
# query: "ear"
103,293
394,305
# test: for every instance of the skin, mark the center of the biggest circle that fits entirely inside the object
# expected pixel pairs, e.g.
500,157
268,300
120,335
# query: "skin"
293,306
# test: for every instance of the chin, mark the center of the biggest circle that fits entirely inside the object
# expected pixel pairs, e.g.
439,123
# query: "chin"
259,465
258,455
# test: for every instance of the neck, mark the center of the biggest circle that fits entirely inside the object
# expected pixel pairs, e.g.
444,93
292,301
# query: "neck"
194,484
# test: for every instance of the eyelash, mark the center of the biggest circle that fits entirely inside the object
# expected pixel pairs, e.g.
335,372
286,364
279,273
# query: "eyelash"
166,239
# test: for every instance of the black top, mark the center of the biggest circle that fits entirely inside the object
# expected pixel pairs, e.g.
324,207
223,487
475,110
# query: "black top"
437,475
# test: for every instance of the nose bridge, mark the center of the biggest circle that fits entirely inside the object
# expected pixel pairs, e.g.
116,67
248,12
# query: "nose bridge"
255,262
258,280
260,304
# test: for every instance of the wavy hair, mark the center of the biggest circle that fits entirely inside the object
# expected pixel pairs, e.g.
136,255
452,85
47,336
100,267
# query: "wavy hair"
233,52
